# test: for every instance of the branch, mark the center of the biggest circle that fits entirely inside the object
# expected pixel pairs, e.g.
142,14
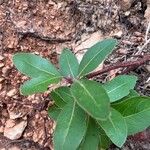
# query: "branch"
108,68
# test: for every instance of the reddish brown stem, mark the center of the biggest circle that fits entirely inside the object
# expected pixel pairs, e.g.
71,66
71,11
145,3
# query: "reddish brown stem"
108,68
69,80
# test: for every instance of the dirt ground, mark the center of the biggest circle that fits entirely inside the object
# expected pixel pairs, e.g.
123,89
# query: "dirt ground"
45,27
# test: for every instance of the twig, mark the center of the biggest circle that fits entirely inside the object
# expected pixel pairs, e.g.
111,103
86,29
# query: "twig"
147,41
145,44
136,63
44,38
147,31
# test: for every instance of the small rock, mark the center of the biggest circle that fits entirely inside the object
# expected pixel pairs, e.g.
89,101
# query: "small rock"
16,131
1,79
127,13
1,57
127,42
118,34
126,4
1,65
5,70
138,33
87,43
12,92
10,123
14,115
1,129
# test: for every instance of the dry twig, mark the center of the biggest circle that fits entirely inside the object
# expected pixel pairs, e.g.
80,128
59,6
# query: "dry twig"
134,64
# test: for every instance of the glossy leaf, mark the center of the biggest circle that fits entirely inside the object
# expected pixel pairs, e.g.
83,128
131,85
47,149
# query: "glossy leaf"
68,64
71,127
95,55
91,139
39,84
91,97
53,112
136,112
61,96
34,66
115,128
119,87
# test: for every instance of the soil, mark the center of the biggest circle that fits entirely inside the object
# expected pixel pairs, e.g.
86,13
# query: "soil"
45,28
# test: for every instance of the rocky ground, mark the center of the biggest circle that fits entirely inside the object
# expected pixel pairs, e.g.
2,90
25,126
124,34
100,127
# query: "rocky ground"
45,28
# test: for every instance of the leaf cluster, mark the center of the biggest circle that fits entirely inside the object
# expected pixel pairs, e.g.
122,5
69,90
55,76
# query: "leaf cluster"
89,115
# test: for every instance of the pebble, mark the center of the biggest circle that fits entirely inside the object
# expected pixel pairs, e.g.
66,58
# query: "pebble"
10,123
13,115
1,65
12,92
5,70
1,79
138,33
127,13
1,58
125,4
12,131
118,34
1,129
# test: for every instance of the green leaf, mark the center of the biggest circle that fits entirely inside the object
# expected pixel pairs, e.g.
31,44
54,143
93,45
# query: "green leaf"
39,69
95,55
53,112
133,93
34,66
68,64
136,112
91,139
38,84
61,96
71,127
91,97
115,128
104,140
119,87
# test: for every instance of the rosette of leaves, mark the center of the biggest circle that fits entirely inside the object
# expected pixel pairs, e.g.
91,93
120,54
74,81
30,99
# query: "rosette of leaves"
89,115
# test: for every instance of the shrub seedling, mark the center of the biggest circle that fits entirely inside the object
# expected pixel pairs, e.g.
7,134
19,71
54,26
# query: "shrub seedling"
89,115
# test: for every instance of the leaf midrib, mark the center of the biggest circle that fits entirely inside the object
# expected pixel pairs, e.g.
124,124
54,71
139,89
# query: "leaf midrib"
117,87
95,102
49,73
137,113
71,118
70,67
44,81
92,59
